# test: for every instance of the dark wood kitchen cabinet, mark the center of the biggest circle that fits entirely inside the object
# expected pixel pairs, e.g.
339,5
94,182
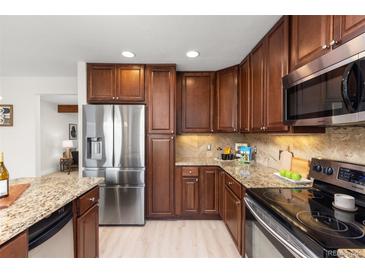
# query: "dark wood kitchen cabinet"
161,90
347,27
87,224
160,183
100,83
17,247
221,193
115,83
197,101
244,96
209,190
257,88
129,83
226,100
276,63
190,196
311,36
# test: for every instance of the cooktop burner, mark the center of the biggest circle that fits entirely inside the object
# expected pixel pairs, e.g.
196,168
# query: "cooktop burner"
330,225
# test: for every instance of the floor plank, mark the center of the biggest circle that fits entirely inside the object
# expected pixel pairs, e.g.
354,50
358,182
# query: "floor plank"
168,239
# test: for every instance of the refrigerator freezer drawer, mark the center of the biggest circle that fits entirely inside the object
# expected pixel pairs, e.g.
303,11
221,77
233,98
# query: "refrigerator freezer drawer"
121,205
125,177
93,172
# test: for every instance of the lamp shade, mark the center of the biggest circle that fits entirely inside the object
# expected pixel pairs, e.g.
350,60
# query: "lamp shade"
67,144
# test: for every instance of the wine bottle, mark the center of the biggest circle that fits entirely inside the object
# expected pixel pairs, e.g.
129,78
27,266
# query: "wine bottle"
4,178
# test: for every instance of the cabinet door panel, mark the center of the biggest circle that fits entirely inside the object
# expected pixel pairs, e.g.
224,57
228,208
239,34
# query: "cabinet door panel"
197,102
220,192
88,234
130,83
17,247
347,27
161,86
310,38
101,83
276,68
233,216
226,100
244,96
160,176
209,190
190,195
257,88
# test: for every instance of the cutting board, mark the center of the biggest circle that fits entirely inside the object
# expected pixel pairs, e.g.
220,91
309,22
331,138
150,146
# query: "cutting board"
15,191
301,166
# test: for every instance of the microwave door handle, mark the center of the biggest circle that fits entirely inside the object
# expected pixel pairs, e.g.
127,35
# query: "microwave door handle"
345,87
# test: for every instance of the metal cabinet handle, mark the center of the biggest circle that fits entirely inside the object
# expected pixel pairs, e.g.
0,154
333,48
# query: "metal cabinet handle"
325,46
172,131
113,98
117,98
196,179
92,199
333,42
172,137
230,183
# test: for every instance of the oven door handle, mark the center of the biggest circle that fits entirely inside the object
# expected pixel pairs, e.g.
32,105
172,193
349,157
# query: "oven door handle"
353,67
297,253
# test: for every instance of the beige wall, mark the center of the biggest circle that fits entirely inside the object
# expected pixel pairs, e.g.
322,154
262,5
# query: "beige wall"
345,144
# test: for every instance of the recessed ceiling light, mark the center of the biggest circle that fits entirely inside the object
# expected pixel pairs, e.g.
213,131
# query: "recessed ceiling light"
192,54
128,54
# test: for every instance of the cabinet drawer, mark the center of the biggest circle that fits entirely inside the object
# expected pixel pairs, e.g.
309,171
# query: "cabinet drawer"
87,200
190,171
235,186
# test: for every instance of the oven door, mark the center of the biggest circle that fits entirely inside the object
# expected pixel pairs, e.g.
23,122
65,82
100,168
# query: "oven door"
265,237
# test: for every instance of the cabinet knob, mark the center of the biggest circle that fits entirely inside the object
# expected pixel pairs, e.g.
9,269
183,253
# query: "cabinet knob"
172,137
238,203
325,46
196,180
92,199
172,131
234,129
333,42
117,98
211,130
230,183
113,98
189,171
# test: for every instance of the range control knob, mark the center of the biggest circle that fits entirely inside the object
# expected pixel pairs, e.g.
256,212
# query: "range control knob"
317,168
329,170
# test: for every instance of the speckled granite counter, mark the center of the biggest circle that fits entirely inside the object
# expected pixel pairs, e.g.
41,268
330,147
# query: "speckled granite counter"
249,175
43,197
351,253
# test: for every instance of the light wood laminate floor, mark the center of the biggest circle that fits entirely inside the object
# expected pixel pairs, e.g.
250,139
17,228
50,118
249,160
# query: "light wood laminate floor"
168,239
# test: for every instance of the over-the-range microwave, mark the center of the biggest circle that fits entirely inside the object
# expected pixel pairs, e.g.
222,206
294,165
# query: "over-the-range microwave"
329,91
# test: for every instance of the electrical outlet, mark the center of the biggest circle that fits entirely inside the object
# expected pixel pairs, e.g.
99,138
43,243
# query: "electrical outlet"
209,147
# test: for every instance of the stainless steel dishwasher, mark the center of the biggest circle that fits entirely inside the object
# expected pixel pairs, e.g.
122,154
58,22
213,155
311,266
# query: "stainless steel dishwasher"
53,236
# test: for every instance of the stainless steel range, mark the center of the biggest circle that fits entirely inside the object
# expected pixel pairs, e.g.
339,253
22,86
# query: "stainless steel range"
303,222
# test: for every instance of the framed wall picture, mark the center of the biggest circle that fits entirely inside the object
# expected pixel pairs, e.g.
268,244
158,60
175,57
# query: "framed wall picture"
6,115
72,131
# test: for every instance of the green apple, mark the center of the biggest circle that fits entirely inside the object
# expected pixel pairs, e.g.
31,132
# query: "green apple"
282,172
296,176
288,174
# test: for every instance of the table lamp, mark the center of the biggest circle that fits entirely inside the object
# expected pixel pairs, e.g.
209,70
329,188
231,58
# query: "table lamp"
68,144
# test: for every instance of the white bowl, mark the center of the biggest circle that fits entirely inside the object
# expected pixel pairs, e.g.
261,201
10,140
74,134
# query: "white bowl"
344,201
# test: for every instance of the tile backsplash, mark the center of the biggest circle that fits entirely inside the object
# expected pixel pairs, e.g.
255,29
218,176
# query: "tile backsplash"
338,143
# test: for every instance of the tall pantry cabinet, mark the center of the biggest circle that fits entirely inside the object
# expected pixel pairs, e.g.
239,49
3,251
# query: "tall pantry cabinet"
161,94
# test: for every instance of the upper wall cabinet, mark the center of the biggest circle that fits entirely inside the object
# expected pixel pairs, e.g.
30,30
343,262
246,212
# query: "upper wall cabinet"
315,35
244,96
130,83
310,38
226,100
110,83
100,83
161,89
277,55
197,101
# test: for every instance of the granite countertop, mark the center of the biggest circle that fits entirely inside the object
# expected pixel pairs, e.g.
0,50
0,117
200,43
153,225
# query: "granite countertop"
252,175
351,253
44,196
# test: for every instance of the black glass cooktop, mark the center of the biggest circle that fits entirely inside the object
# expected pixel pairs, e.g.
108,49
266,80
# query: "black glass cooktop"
309,214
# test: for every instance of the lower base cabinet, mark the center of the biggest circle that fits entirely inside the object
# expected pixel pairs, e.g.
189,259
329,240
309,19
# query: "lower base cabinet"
16,247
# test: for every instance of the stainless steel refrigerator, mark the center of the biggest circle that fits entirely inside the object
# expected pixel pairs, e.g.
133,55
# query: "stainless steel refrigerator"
114,148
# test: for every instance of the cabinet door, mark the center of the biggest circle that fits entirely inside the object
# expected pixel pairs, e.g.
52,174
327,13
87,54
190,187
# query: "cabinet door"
130,83
276,67
161,88
221,193
233,216
226,100
100,83
88,234
244,96
209,190
310,38
197,102
190,195
257,88
16,247
347,27
160,184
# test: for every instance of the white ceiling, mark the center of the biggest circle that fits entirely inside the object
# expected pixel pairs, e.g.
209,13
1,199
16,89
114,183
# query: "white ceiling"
60,99
52,45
